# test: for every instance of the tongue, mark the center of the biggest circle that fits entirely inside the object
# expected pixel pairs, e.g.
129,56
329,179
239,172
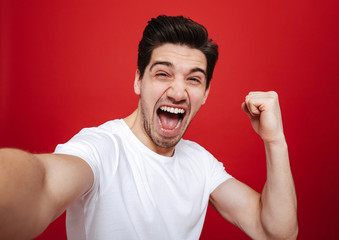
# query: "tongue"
168,120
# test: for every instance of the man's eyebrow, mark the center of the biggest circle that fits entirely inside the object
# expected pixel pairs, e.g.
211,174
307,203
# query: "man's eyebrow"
168,64
198,70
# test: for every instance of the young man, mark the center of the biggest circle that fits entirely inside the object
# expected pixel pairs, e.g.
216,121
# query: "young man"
136,178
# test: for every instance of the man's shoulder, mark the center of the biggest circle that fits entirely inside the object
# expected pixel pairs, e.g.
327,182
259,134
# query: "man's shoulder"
192,147
98,134
110,125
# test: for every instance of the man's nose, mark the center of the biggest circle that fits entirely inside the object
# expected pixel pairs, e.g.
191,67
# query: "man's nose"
177,90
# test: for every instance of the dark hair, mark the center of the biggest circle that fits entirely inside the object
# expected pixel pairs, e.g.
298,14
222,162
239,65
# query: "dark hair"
177,30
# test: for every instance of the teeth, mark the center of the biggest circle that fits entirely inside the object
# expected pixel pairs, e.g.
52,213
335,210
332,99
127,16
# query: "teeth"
172,110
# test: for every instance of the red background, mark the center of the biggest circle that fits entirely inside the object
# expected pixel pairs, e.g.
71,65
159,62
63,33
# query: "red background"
66,65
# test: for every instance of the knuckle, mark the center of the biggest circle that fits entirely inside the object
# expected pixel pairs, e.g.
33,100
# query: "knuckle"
274,93
250,101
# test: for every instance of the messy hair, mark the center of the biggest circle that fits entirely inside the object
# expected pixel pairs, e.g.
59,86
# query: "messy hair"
176,30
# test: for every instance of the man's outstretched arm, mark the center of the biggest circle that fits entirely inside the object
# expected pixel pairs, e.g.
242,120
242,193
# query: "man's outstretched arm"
273,213
36,189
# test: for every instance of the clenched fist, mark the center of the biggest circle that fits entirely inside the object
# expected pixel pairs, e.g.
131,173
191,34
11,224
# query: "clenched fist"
264,112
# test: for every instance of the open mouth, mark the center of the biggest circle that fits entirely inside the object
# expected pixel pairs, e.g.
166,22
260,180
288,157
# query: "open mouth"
170,118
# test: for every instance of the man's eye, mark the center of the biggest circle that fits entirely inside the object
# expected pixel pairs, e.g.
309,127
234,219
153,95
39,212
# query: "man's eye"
161,74
194,79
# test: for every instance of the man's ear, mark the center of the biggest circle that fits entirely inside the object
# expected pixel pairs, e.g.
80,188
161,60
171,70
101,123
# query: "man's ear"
137,82
207,91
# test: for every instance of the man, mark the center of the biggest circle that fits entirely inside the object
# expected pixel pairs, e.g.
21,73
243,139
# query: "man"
136,178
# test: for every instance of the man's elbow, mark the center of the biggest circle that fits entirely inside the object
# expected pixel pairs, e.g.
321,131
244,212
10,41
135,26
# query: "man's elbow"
289,233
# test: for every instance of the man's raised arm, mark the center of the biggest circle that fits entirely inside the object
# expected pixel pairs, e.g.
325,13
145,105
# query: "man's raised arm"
272,214
36,189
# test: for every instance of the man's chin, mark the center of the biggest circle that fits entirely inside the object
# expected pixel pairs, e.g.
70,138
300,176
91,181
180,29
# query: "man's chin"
165,142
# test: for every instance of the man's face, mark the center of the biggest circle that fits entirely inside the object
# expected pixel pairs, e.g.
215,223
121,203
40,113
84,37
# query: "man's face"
171,92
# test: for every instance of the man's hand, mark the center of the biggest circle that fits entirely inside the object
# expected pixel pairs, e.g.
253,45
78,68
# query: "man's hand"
264,112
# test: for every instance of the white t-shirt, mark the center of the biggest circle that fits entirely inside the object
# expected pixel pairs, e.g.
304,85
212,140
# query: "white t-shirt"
137,193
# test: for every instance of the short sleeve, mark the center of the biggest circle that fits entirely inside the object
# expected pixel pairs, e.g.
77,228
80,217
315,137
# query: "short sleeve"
218,174
94,146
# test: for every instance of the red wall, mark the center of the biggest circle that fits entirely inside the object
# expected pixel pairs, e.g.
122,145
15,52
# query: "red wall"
66,65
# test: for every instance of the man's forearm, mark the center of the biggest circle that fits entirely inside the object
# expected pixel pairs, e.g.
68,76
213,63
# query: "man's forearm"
21,181
279,203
